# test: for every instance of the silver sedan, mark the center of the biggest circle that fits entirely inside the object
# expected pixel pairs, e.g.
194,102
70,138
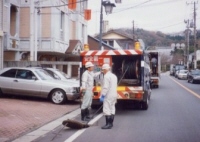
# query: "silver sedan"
182,74
36,82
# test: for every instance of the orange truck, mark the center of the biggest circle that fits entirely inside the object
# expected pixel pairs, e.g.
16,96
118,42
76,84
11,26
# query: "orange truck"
132,70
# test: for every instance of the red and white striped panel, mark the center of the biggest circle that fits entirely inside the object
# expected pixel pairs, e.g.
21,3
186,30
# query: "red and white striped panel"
111,52
134,88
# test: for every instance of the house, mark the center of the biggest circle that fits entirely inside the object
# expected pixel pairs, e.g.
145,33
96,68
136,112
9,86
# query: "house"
40,32
118,39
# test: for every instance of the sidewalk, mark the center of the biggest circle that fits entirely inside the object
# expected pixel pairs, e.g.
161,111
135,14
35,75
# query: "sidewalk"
20,116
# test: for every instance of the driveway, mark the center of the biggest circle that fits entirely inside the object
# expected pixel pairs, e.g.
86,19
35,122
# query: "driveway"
21,115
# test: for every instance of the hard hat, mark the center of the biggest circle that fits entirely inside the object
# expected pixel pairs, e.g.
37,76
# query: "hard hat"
89,64
105,66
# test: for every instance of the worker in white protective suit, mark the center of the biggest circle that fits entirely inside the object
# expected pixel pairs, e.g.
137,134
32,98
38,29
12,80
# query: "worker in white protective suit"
108,95
87,83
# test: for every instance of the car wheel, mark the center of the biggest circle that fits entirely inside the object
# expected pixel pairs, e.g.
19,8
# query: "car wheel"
58,96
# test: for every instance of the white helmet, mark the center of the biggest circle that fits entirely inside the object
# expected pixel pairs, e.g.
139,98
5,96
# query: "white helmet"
106,66
89,64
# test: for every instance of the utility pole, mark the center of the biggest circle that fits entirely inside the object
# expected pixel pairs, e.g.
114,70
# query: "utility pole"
194,26
187,35
101,24
195,37
133,35
32,5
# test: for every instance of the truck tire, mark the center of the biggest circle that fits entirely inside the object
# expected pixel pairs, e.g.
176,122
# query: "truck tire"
145,105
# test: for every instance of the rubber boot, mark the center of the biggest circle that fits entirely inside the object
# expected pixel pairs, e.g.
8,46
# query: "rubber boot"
87,113
83,115
108,122
112,119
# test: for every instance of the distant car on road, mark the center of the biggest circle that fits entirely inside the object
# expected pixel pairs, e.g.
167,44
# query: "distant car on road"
194,76
36,82
182,74
176,68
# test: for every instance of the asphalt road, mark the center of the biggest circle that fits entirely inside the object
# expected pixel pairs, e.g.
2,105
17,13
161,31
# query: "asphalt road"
173,116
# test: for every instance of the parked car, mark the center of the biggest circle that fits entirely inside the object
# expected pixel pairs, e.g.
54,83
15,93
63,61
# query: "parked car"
194,76
35,82
176,73
182,74
177,67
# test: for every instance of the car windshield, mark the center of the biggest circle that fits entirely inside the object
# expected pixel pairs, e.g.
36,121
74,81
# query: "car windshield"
64,74
183,71
180,67
43,74
196,72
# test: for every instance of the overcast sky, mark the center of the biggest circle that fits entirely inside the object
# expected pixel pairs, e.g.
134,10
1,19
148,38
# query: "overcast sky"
155,15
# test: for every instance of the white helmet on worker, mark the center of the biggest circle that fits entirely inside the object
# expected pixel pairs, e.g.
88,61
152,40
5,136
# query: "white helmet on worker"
89,64
105,67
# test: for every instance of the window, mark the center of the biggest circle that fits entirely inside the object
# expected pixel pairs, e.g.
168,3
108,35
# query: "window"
24,74
10,73
111,43
62,23
13,20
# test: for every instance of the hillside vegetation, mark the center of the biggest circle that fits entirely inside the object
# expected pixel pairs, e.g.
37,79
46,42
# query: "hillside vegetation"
152,38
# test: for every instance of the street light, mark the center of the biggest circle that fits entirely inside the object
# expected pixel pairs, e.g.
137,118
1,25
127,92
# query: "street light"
108,9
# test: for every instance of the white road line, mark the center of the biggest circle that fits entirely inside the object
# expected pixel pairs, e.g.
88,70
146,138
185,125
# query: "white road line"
193,93
79,132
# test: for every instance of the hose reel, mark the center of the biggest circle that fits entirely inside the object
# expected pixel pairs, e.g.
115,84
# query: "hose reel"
131,68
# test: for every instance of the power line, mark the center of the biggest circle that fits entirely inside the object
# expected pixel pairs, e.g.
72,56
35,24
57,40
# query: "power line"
143,4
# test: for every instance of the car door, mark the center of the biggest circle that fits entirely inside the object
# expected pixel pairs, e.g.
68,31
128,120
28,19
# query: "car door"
26,83
6,80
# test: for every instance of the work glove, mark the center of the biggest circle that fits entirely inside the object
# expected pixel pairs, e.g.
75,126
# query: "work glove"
83,92
102,98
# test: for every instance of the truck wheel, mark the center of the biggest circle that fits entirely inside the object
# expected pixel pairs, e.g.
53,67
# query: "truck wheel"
145,104
58,96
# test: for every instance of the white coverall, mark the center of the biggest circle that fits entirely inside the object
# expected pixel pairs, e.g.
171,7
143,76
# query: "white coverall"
88,84
109,90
